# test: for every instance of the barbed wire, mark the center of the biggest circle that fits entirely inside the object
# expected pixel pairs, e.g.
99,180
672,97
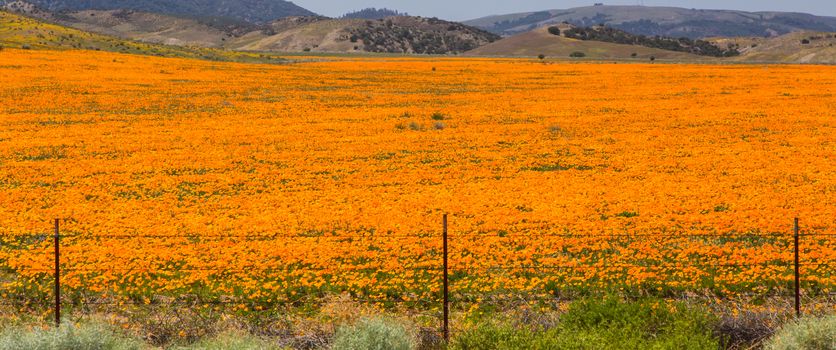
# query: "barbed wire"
564,296
268,269
253,269
421,235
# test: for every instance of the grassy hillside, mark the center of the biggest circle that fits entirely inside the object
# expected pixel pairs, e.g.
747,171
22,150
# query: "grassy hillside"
401,34
147,27
540,41
800,47
299,34
23,32
254,11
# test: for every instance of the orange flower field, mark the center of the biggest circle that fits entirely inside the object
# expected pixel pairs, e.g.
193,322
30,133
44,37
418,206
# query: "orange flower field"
269,183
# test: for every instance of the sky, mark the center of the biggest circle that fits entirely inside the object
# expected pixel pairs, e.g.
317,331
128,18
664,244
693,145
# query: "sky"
459,10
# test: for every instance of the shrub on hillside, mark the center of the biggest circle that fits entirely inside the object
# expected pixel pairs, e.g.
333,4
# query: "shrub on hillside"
577,54
554,30
805,334
805,41
374,334
88,336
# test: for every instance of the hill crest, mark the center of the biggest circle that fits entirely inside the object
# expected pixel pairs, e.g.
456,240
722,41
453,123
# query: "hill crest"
665,21
253,11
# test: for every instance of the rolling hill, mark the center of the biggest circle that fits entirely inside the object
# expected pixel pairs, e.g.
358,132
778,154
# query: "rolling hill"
664,21
23,32
146,27
798,47
254,11
540,41
399,34
140,32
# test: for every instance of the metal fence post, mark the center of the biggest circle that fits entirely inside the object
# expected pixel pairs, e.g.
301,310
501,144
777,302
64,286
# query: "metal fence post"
446,326
797,273
57,251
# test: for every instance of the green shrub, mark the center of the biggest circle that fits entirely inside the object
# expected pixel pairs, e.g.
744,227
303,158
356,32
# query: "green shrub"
602,324
492,336
374,334
88,336
804,334
437,116
577,54
554,30
238,341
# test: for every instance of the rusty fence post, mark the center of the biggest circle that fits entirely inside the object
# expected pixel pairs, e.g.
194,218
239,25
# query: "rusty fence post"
57,251
797,272
445,330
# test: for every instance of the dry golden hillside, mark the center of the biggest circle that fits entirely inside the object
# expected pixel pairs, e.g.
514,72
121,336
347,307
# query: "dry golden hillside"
18,31
540,41
400,34
800,47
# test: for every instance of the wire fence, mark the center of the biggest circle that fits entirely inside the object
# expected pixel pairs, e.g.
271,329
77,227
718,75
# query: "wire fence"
444,280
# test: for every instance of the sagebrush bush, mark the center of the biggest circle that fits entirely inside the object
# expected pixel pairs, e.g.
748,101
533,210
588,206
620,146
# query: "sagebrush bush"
377,333
87,336
806,334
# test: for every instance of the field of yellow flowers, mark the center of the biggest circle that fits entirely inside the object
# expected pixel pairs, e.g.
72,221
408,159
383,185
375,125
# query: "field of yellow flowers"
275,182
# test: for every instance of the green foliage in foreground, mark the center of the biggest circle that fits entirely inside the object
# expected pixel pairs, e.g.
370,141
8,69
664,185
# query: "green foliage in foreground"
603,324
374,334
90,336
806,334
100,336
237,341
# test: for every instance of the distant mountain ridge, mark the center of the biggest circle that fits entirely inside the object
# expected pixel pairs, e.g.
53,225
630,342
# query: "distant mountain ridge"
253,11
663,21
